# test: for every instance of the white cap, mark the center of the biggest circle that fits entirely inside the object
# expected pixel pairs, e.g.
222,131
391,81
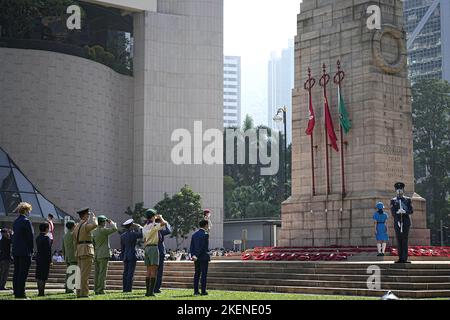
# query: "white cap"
128,222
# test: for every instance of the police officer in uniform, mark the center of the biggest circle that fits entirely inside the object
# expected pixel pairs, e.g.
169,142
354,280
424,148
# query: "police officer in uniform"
401,209
102,251
84,248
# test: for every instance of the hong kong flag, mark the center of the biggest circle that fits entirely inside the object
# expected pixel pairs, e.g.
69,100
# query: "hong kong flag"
329,125
312,118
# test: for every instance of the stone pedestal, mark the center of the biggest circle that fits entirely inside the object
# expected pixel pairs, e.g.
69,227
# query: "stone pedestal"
378,151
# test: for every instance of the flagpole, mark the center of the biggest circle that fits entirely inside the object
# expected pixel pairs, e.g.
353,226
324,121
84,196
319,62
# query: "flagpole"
309,84
324,80
338,78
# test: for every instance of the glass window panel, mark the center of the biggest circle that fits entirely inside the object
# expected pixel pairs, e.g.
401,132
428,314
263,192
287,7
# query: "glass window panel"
10,201
3,159
46,206
7,182
2,207
31,199
22,183
61,213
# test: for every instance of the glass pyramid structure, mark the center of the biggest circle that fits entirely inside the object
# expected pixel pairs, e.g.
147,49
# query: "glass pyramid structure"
15,188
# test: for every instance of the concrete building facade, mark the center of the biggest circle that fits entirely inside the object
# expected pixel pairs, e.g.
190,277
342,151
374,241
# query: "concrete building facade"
232,91
86,135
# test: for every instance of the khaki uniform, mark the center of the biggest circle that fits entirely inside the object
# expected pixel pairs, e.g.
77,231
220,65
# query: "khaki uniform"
102,255
84,252
69,254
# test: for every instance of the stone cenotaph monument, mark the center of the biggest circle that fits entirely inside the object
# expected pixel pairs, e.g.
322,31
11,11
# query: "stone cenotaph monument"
334,193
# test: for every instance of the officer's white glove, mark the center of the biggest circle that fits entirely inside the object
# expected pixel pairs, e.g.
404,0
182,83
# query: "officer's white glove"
401,211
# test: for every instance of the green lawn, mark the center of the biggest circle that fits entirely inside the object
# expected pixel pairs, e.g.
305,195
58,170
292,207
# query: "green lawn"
185,295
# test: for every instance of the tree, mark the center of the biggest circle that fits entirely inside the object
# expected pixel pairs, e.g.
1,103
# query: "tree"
247,194
183,210
431,117
138,214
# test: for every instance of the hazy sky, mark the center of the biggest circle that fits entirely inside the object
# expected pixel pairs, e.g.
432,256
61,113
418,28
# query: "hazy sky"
253,29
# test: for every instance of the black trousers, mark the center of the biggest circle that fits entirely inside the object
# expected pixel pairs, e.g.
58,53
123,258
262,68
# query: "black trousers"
21,268
402,242
4,272
160,272
128,274
201,271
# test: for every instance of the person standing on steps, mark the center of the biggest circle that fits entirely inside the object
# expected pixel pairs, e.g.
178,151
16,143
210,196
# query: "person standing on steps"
200,255
165,231
5,257
69,251
401,210
43,257
102,248
151,239
128,240
381,231
22,248
84,248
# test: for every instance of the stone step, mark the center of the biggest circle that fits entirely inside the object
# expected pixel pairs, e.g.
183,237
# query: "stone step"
115,274
212,279
418,280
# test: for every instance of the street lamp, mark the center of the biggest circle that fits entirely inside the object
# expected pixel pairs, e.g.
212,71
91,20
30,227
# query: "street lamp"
280,117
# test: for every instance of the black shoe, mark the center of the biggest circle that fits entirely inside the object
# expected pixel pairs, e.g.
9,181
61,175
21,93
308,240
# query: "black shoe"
204,293
398,262
379,254
382,254
157,291
196,293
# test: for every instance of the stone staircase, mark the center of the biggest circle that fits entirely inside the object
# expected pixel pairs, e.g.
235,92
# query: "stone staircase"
416,280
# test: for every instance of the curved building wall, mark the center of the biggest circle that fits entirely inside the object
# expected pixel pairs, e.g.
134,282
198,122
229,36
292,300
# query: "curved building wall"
68,124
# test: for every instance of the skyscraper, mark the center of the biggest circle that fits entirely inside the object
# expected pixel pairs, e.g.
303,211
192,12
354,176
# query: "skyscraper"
427,23
280,85
232,91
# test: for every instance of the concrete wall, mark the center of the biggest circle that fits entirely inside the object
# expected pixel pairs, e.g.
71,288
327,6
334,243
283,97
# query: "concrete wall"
66,122
178,80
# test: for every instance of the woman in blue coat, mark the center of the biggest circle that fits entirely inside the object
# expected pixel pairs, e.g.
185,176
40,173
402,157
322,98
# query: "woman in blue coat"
381,231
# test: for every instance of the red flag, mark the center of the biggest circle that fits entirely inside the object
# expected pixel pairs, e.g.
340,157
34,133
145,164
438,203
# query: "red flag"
330,127
312,118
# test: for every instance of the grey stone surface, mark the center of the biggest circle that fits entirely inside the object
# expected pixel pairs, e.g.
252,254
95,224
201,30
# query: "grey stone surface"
378,149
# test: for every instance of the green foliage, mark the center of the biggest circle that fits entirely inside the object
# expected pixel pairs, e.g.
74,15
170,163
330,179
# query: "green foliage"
247,194
138,213
17,17
431,116
183,211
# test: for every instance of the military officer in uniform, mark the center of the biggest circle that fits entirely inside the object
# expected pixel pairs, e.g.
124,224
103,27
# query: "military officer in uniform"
128,240
84,248
102,250
69,250
401,209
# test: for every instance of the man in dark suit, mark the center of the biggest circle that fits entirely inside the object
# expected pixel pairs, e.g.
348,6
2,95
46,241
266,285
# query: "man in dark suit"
22,249
128,240
200,255
162,252
401,209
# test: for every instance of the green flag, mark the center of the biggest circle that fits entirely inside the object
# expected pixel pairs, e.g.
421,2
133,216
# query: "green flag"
346,124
